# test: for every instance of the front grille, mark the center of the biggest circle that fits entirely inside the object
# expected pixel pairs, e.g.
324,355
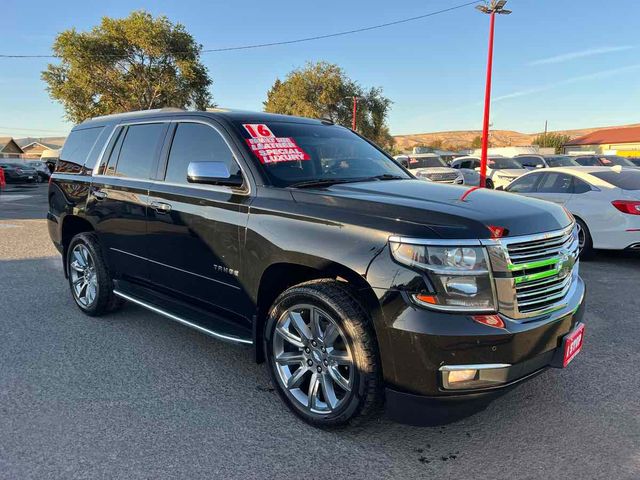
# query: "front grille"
539,272
442,177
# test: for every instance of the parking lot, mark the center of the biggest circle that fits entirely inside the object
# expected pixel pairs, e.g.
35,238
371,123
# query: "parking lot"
133,395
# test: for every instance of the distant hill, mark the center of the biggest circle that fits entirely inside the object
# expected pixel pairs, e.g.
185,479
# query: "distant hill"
499,138
53,141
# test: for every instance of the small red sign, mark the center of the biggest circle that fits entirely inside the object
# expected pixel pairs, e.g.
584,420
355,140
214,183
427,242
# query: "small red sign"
573,344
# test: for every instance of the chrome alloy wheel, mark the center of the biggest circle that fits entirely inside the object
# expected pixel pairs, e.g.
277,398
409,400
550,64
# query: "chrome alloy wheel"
582,238
83,275
312,358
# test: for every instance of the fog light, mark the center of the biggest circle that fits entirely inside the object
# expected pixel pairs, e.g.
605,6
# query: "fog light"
462,375
468,377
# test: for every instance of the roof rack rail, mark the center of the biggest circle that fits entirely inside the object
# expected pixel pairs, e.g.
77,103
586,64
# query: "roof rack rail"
135,113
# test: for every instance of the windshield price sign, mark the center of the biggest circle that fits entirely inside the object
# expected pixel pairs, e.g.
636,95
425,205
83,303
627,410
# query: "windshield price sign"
271,149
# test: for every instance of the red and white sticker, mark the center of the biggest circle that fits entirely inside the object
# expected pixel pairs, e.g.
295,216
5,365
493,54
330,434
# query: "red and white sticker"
271,149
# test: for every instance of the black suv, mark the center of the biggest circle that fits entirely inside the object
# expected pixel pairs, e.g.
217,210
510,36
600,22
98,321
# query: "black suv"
354,281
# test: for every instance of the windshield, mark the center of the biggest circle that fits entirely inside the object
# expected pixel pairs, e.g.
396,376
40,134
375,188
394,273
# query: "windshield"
626,179
503,163
292,153
609,160
426,162
561,161
531,162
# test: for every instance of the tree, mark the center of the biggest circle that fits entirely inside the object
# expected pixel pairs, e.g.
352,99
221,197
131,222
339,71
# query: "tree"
476,142
323,90
556,140
134,63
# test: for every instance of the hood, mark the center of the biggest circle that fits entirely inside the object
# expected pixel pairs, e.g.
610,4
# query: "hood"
444,211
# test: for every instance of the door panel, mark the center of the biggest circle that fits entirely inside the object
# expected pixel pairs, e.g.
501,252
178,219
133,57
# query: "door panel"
195,230
118,199
118,207
195,247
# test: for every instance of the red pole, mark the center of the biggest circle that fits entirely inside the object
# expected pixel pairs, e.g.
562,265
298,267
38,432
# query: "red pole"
355,108
487,104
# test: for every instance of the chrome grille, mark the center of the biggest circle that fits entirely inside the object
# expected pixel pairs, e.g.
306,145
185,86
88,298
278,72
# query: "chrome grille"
442,177
539,272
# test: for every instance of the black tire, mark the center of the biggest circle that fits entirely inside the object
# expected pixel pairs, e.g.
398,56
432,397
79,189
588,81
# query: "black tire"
587,250
336,298
489,183
104,301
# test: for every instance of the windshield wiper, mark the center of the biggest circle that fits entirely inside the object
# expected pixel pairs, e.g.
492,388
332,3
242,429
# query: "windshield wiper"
333,181
323,182
384,176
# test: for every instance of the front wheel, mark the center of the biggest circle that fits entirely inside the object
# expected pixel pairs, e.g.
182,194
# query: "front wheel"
322,354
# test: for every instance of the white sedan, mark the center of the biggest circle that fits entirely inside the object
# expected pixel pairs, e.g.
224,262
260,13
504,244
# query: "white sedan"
604,200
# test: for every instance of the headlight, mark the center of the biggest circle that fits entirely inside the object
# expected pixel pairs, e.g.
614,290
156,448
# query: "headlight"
504,177
460,275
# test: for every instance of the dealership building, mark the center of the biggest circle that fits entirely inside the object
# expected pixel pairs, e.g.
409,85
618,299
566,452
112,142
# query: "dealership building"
612,141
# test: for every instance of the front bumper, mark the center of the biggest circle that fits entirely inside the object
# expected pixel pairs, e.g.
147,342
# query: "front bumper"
415,343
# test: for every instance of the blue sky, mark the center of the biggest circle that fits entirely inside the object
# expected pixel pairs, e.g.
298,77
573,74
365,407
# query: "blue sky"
575,63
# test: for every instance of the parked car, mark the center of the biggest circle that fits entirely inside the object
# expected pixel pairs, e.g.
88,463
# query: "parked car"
19,173
605,202
467,167
50,158
528,161
603,160
354,281
431,167
500,170
635,161
42,170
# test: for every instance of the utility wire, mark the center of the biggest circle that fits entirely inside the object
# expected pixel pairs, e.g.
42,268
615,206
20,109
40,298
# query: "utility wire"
299,40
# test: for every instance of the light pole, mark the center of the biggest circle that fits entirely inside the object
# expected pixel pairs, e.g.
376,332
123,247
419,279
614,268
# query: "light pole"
496,6
355,111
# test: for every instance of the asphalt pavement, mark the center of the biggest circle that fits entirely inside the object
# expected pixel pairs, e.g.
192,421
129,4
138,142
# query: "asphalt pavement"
134,396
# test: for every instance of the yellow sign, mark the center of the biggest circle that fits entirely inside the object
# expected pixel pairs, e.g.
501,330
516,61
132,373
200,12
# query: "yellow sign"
628,153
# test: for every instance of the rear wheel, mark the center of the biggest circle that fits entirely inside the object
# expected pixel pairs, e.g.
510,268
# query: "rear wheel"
322,354
89,279
585,243
489,183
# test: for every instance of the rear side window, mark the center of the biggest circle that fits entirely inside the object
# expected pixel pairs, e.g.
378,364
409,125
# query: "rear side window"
79,144
626,179
195,142
556,183
139,150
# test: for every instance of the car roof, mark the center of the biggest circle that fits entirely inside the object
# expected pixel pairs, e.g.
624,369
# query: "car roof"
215,113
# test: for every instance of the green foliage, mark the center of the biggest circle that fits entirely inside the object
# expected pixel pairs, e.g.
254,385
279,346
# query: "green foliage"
134,63
476,142
556,140
323,90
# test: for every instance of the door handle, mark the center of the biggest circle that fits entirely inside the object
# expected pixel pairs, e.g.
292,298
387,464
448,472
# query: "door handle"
99,194
161,207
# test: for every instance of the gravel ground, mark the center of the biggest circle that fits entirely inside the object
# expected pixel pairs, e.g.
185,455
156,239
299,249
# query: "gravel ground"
132,395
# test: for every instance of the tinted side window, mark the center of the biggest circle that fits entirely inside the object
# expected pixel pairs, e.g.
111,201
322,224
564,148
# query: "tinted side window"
556,183
139,150
195,142
523,184
580,186
80,142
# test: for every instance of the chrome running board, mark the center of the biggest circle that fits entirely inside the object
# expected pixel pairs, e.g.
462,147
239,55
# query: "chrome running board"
181,320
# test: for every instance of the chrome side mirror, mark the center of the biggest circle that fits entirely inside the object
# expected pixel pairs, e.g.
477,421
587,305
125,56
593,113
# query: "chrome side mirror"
212,173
